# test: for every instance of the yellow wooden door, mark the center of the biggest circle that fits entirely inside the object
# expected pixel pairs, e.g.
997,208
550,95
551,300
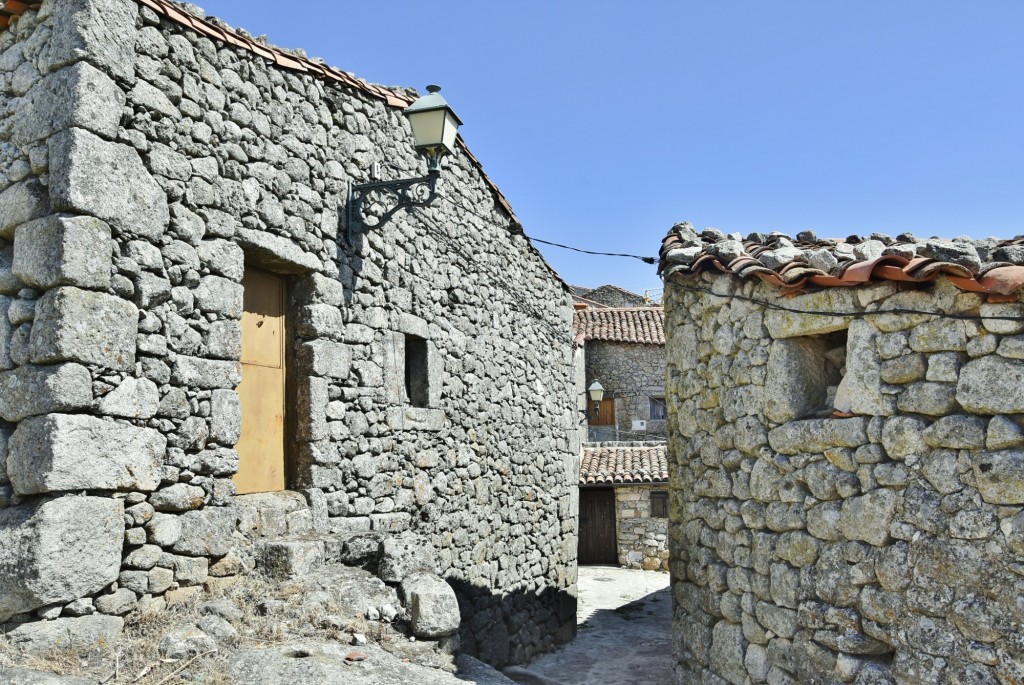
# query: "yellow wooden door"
261,449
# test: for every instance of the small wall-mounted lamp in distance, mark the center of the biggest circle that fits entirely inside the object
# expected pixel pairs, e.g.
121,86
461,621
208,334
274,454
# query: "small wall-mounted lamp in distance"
596,393
434,127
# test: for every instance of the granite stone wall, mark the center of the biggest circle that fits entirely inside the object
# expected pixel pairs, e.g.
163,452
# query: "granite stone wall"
143,167
614,296
631,374
642,538
884,544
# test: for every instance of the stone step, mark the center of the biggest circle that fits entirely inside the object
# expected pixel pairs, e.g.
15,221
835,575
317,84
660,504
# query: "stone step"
283,559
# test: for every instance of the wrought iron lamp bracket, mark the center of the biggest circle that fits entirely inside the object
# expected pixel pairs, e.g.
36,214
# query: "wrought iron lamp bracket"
408,192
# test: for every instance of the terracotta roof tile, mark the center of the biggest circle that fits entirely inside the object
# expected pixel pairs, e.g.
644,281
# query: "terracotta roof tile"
644,325
986,266
623,463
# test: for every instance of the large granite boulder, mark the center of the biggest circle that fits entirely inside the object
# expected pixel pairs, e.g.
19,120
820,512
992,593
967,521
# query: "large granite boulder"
58,550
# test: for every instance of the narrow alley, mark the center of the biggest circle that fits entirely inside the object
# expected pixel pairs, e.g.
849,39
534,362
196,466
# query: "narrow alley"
624,637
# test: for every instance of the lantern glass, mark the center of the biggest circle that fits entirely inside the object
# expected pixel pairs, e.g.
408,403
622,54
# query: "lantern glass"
596,392
434,124
428,127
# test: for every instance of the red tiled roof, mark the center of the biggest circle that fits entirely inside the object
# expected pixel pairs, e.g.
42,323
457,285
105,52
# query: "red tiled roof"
13,8
624,464
644,325
991,266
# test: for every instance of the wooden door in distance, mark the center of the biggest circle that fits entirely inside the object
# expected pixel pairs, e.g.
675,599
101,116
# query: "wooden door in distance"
597,527
261,449
606,415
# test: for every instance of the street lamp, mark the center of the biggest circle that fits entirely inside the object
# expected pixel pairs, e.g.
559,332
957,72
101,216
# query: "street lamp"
434,127
596,393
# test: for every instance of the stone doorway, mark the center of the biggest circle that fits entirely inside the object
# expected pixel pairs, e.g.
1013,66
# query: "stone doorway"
262,448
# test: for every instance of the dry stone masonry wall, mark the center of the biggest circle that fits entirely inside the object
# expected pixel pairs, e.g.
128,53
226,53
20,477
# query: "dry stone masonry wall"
642,538
885,546
631,374
143,167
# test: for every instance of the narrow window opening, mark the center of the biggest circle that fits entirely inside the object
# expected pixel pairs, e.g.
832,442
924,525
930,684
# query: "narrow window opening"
416,383
657,408
835,345
659,504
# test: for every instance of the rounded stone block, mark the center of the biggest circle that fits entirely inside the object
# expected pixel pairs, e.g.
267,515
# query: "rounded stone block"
89,175
991,385
20,203
1000,477
33,390
433,605
79,95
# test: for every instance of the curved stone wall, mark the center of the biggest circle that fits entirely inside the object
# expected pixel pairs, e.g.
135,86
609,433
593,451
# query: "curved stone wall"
885,545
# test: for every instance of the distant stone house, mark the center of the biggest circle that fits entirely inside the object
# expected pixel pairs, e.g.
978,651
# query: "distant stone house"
608,296
846,458
624,349
624,505
188,316
623,496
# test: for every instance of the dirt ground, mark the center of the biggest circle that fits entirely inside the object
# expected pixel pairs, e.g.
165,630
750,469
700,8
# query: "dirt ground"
625,632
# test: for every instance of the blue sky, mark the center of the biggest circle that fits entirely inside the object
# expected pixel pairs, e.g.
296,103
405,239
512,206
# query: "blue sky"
604,123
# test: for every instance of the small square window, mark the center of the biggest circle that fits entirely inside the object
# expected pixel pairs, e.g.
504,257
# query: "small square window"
659,504
417,388
658,409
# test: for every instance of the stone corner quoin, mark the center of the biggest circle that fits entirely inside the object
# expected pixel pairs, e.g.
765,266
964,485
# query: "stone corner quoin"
848,492
149,169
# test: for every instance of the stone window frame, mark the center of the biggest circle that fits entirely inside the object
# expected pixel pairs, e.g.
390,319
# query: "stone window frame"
416,369
800,373
661,415
405,414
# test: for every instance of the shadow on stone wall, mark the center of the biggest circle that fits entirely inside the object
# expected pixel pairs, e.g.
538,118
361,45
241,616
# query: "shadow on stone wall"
504,629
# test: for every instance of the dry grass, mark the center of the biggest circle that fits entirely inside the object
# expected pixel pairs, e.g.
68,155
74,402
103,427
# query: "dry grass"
135,657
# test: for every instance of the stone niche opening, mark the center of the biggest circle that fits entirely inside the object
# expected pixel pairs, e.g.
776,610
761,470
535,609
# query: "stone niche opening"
803,375
417,380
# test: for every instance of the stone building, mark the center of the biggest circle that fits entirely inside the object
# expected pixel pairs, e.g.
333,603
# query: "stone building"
624,505
622,474
846,457
608,296
624,349
172,225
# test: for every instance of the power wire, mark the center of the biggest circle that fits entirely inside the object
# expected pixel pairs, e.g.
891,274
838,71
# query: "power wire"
850,315
517,228
645,260
510,288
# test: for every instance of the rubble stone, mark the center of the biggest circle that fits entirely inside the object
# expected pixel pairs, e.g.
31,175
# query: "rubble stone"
433,605
868,548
